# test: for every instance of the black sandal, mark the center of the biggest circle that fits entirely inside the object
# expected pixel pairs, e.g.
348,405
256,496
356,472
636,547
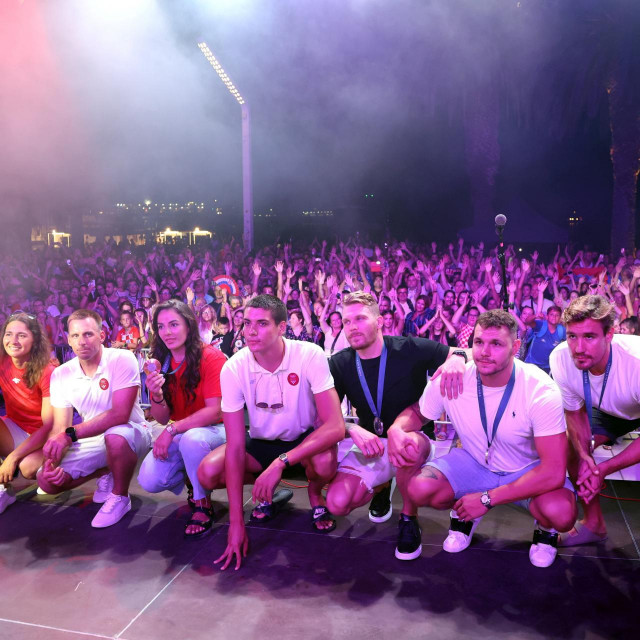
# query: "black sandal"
190,501
322,514
266,511
205,524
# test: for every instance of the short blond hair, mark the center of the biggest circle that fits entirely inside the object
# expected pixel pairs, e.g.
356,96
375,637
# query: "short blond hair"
360,297
590,307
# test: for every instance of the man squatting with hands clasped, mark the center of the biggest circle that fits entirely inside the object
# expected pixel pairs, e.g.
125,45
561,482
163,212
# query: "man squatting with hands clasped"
102,385
599,377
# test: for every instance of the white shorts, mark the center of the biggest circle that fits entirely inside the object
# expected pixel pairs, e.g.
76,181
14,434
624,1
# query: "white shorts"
372,471
18,434
90,454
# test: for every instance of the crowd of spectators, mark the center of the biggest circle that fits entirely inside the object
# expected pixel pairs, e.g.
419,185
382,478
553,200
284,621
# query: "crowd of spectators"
423,290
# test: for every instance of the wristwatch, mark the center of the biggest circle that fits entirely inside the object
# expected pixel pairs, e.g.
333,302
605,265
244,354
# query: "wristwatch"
485,498
172,430
461,353
285,459
71,432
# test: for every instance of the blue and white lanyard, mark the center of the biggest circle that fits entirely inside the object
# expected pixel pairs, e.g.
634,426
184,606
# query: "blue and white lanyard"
587,388
501,409
375,409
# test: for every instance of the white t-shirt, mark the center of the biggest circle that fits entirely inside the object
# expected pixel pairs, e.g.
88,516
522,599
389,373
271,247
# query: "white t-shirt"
534,410
622,393
341,342
530,302
70,387
303,372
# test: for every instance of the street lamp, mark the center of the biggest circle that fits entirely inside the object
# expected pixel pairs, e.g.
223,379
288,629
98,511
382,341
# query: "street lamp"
247,188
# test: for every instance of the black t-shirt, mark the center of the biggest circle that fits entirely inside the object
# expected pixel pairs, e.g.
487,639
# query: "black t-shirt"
408,360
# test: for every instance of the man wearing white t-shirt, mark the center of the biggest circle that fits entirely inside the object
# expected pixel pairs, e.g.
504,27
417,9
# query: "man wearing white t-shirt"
599,377
510,422
294,417
102,385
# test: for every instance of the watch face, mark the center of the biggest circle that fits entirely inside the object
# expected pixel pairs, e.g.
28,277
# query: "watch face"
485,499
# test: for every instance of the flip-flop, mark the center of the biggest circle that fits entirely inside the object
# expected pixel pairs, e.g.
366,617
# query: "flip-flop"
583,535
322,514
270,510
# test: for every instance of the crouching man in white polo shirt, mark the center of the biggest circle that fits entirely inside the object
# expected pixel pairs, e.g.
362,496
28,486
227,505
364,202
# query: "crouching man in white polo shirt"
294,417
102,385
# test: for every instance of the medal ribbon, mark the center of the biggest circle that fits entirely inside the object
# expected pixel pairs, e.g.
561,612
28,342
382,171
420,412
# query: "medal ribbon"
501,408
375,409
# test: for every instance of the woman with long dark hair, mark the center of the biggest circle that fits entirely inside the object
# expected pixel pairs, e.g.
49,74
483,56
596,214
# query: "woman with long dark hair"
183,379
25,370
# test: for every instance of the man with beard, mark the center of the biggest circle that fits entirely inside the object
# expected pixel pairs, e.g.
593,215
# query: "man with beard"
598,376
381,376
514,449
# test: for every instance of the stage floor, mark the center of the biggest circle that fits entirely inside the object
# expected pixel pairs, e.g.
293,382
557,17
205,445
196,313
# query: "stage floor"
140,580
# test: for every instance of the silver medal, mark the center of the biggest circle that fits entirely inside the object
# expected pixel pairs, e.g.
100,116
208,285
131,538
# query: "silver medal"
378,426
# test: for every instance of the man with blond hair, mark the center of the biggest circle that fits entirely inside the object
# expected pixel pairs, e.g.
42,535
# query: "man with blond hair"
380,376
598,373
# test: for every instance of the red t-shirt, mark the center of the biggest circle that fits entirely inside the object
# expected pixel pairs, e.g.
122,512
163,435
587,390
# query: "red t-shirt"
208,387
24,405
129,336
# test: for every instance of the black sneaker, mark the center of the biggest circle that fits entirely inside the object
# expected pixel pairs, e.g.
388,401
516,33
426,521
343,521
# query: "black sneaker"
409,538
380,509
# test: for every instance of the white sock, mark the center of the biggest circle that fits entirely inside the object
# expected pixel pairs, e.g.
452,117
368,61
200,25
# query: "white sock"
549,530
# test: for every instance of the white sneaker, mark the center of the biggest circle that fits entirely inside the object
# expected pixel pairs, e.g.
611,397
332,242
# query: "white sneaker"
543,551
104,486
458,540
112,511
6,498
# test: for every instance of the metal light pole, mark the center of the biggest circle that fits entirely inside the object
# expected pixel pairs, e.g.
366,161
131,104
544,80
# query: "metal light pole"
247,182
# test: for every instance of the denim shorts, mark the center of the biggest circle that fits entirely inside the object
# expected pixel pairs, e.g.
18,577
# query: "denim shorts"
466,475
611,427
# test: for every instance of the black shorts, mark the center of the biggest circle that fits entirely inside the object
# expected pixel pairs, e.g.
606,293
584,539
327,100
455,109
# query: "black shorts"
610,426
266,451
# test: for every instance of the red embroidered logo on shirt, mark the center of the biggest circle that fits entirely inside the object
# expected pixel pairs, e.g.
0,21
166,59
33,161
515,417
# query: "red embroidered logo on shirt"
104,384
293,379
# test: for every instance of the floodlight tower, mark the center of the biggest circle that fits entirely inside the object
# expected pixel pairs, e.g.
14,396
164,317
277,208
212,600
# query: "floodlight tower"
247,182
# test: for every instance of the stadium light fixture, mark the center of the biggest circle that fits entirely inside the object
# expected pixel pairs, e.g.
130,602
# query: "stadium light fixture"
247,180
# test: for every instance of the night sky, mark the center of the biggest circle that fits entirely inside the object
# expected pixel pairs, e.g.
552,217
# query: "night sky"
111,101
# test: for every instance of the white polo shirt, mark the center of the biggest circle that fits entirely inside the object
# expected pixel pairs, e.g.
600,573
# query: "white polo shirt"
303,372
534,410
91,396
622,393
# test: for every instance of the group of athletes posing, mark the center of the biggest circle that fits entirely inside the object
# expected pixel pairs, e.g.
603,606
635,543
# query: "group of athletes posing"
511,417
